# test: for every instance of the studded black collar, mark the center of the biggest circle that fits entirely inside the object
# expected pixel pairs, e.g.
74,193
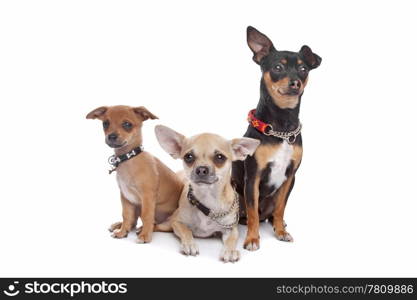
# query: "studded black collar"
116,160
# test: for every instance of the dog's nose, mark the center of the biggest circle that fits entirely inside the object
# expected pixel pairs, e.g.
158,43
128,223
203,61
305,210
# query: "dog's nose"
112,137
202,171
294,84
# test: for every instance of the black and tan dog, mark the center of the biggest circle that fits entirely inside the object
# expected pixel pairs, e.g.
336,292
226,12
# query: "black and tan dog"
265,180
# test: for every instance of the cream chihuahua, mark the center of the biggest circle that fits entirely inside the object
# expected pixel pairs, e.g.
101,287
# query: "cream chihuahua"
208,203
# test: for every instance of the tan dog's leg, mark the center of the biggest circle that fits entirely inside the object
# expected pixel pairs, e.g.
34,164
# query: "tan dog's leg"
188,246
162,227
229,252
251,200
129,219
280,203
115,226
148,218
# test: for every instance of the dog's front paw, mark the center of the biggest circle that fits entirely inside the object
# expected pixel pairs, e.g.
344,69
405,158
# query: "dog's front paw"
119,233
115,226
139,230
251,244
190,248
144,238
229,255
284,236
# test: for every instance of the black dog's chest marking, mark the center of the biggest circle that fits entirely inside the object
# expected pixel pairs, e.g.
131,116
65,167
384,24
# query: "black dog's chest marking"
274,164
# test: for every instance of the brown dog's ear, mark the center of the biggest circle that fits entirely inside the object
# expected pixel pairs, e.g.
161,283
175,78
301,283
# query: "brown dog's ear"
311,59
97,113
170,140
259,43
143,113
243,147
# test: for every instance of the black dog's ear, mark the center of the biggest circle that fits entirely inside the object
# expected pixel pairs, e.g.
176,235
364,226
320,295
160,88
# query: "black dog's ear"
259,43
312,59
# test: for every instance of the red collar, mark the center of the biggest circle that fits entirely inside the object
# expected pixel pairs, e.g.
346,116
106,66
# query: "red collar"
267,129
258,124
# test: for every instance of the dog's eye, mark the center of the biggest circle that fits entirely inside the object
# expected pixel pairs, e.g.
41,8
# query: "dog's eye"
189,158
106,124
279,68
127,125
303,69
220,157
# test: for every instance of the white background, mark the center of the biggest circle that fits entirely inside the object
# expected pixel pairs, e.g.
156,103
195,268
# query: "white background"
353,209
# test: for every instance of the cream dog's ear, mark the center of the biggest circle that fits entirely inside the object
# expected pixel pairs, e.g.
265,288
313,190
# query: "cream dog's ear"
170,140
243,147
97,113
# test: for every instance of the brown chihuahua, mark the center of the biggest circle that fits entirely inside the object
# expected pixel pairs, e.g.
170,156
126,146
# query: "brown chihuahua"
148,188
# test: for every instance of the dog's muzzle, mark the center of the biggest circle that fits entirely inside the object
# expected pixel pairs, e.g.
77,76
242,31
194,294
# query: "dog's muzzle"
203,174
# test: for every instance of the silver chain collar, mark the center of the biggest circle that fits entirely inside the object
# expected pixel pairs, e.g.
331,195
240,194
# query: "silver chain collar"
235,206
289,136
216,216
